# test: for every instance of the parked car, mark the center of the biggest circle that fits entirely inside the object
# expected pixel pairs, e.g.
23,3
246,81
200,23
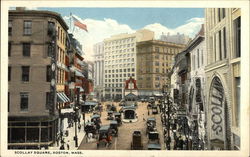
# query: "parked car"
136,143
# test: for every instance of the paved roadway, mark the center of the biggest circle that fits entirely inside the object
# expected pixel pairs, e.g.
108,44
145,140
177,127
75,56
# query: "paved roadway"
124,139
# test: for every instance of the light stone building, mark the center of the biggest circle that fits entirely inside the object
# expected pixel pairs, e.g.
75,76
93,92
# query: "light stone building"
222,33
177,38
33,116
99,69
120,61
196,90
154,61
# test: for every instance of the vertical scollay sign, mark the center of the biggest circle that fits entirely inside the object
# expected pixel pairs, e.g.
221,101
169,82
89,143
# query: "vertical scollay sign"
217,101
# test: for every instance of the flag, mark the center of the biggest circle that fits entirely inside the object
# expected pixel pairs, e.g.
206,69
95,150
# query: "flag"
79,24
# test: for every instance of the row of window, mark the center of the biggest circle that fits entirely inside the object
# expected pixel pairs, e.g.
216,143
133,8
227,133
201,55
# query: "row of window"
153,70
121,75
120,41
119,46
120,65
114,85
119,56
120,60
159,49
25,46
24,101
197,59
119,51
26,74
119,70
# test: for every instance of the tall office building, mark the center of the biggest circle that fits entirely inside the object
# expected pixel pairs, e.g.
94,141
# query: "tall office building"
120,61
154,60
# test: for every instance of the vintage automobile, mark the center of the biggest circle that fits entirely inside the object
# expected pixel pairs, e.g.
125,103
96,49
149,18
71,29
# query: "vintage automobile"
105,136
118,118
136,143
113,108
114,127
151,124
154,141
154,109
110,115
90,128
96,118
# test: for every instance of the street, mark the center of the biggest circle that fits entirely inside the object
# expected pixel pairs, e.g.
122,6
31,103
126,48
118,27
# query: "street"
124,139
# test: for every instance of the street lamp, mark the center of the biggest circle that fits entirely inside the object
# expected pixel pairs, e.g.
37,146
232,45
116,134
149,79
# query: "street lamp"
76,108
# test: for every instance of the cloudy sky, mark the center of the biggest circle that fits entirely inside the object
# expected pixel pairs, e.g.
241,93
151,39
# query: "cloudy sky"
104,22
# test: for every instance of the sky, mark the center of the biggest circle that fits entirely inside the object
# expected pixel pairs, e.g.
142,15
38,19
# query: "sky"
104,22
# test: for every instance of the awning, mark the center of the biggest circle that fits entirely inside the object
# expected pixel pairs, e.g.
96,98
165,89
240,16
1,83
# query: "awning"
81,89
61,97
79,74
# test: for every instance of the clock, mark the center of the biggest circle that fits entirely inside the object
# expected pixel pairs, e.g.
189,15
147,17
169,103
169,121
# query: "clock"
52,82
53,67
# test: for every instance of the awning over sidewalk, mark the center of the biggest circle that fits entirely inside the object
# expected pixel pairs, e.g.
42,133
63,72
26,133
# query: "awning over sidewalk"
79,74
67,110
62,97
81,89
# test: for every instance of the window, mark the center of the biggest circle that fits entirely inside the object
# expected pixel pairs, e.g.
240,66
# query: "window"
25,73
48,73
198,58
48,99
224,42
237,102
27,28
26,49
24,101
237,41
220,46
9,49
10,27
157,49
8,101
157,64
157,70
9,73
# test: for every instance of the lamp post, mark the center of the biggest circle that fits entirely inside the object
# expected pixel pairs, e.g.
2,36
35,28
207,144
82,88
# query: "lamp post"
76,108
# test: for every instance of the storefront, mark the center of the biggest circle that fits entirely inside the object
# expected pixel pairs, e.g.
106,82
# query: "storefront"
31,132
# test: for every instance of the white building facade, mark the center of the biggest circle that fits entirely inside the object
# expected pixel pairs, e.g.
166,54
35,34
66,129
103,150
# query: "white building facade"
120,61
196,95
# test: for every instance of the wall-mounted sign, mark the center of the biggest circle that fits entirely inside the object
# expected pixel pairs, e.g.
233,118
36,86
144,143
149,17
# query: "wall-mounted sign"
217,103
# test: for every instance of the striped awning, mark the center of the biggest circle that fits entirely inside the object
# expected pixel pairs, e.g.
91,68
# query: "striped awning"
62,97
79,74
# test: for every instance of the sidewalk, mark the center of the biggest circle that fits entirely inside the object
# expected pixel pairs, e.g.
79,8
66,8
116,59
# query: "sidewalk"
70,138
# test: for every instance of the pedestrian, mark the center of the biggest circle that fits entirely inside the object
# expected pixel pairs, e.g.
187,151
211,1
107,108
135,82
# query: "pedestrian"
68,145
62,147
148,112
